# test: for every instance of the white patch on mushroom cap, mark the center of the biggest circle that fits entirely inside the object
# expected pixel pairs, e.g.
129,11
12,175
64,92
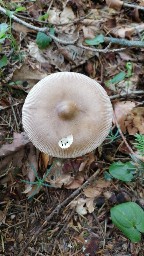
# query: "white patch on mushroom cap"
66,142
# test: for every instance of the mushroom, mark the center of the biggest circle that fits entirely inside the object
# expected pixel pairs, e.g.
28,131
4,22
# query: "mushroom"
67,115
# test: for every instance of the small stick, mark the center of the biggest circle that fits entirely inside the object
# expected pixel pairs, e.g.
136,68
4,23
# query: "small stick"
133,6
55,24
57,210
100,50
126,94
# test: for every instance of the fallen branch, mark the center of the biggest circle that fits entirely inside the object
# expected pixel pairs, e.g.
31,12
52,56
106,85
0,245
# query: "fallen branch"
124,42
100,50
133,6
126,94
56,24
112,40
44,29
56,211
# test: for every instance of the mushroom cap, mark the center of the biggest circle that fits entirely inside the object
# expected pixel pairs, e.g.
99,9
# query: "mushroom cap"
67,115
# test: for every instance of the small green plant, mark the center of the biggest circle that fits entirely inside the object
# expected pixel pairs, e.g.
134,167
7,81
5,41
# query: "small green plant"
39,182
112,137
122,171
43,17
43,40
139,144
95,41
129,218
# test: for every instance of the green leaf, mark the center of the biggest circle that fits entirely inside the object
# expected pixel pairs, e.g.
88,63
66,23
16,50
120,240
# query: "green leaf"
129,67
43,17
20,9
117,78
129,218
107,176
3,61
95,41
43,40
9,13
122,171
3,28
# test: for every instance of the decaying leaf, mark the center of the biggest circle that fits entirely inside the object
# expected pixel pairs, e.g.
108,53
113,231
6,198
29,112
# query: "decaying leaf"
55,16
95,190
79,206
135,121
86,205
19,141
36,53
21,28
122,109
76,183
30,169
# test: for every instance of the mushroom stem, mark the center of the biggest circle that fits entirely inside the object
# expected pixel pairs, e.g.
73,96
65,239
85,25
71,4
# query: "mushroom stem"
66,110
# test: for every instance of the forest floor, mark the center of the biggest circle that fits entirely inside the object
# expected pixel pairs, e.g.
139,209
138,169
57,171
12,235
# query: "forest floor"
105,41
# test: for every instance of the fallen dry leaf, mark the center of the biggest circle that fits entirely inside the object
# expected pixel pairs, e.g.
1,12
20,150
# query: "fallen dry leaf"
95,190
135,121
79,206
29,74
122,109
115,4
36,53
19,141
90,204
66,16
76,183
31,168
21,28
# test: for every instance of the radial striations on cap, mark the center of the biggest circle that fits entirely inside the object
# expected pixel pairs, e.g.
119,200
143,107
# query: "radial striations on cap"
67,105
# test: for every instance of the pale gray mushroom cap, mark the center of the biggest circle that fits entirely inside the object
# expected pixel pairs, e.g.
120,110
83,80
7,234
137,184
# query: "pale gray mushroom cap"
63,106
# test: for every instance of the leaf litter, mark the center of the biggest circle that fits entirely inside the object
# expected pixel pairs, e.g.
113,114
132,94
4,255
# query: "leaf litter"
84,225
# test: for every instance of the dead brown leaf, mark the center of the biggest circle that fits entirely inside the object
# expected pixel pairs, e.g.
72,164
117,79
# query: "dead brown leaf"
122,109
135,121
79,205
115,4
76,183
19,141
27,74
21,28
95,190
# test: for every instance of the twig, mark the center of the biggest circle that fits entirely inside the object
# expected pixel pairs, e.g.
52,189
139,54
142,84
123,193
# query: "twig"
124,42
45,29
133,6
57,210
55,24
100,50
126,94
